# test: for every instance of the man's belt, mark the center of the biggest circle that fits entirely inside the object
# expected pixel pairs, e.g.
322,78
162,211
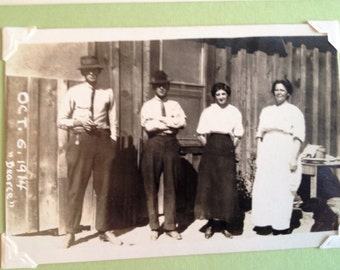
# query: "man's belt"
166,134
162,134
94,131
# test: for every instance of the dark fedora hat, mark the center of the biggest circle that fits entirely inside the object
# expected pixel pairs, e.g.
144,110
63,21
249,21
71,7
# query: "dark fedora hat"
159,76
89,62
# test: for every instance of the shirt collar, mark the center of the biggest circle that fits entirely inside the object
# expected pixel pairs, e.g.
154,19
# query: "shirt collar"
215,105
158,99
90,86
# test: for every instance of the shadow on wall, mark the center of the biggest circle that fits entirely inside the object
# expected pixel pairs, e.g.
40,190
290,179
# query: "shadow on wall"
186,194
128,202
128,208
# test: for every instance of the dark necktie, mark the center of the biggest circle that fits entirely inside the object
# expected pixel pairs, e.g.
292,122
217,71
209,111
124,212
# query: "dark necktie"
92,101
163,108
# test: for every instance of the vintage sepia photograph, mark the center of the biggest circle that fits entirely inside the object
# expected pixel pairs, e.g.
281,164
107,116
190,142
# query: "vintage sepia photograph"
152,142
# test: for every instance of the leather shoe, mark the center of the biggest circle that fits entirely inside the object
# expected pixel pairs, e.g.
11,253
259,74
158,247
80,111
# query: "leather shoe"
68,240
174,235
109,236
209,232
227,234
265,230
286,231
154,235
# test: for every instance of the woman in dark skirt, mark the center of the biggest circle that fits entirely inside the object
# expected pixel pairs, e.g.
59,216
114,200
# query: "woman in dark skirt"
219,131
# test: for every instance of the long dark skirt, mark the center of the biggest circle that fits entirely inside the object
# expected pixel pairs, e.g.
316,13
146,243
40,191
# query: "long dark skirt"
217,195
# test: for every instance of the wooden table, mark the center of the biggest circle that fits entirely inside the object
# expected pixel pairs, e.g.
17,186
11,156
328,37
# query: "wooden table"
312,170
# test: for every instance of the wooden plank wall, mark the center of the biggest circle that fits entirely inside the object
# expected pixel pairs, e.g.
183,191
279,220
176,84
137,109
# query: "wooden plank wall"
128,191
16,156
32,150
47,152
33,160
62,167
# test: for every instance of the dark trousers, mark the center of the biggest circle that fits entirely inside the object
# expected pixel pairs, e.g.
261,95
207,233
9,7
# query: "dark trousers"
86,154
161,154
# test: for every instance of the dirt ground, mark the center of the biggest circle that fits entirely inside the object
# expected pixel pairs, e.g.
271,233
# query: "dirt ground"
41,249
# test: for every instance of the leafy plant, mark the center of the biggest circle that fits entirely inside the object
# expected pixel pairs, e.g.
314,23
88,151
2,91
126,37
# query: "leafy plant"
245,181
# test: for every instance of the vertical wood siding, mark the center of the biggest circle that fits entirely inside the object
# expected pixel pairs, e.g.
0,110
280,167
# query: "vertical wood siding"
48,152
33,146
16,157
33,160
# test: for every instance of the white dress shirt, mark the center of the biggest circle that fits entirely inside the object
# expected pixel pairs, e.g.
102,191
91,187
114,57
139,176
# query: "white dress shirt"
77,105
153,121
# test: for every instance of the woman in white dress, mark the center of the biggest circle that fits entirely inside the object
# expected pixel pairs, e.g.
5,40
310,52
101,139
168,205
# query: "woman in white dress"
280,134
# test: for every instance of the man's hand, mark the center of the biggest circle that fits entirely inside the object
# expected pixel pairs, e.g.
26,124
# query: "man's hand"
236,141
172,122
293,165
87,123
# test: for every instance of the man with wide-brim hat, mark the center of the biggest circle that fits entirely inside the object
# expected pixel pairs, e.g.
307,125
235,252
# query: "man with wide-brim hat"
89,113
161,118
89,62
160,77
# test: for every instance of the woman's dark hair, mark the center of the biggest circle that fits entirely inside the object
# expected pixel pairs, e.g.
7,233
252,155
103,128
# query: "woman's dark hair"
220,86
286,83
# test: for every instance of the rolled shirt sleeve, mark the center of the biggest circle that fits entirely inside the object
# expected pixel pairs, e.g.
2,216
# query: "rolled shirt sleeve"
112,114
299,124
65,120
238,130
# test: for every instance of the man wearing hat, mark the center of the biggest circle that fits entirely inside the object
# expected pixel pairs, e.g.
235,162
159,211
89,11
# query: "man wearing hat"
161,118
89,113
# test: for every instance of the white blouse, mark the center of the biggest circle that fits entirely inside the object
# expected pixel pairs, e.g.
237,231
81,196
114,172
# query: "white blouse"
215,119
286,118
